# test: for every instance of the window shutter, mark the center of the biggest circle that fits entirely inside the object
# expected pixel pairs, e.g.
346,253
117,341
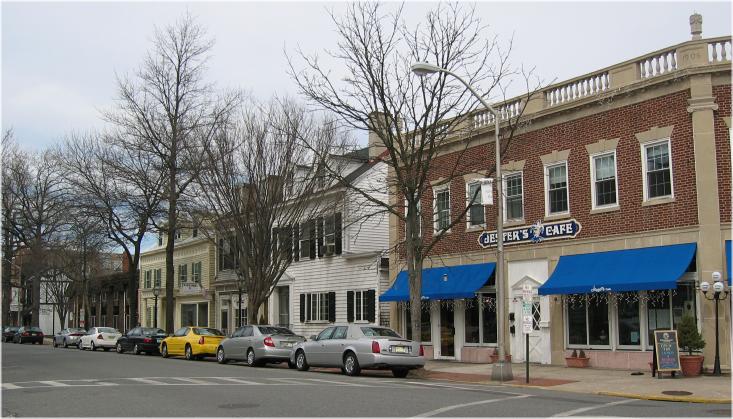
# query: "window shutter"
312,231
337,230
319,225
296,240
302,308
331,307
350,306
308,307
369,297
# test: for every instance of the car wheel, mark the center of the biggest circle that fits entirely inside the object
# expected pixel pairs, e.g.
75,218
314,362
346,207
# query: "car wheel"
400,372
220,356
300,362
189,352
118,348
79,346
136,350
53,343
92,346
251,359
351,365
66,344
291,365
164,351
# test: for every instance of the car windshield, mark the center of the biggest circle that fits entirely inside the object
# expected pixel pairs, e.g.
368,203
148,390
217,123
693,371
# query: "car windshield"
153,332
205,331
79,330
106,330
34,329
11,328
379,331
268,330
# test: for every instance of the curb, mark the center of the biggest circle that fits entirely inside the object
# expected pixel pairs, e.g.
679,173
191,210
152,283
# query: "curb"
664,398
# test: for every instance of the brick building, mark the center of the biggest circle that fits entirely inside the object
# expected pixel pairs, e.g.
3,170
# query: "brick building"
623,178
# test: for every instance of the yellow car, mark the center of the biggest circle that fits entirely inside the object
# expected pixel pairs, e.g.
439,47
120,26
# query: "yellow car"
192,342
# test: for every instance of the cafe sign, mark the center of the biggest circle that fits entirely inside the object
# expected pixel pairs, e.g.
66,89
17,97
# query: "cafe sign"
535,233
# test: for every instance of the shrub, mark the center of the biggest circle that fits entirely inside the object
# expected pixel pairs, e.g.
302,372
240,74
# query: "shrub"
688,337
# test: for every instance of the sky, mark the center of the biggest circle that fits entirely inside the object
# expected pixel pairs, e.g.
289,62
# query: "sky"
59,59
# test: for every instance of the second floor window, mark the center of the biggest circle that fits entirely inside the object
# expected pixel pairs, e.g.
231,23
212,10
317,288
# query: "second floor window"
557,188
308,240
476,214
657,168
604,180
182,273
441,203
157,277
228,253
196,272
513,196
148,275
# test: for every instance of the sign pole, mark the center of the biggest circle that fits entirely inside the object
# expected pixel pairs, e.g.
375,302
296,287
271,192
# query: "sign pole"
526,358
527,325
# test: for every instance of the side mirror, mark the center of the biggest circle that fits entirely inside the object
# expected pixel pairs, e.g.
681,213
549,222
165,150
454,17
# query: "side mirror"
313,337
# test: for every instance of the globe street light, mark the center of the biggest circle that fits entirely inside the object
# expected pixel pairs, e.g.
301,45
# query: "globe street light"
500,371
156,293
718,290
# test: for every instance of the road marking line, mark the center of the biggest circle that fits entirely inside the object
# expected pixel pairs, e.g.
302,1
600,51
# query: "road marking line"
54,383
9,386
458,406
599,406
465,388
148,381
337,382
292,381
193,381
235,380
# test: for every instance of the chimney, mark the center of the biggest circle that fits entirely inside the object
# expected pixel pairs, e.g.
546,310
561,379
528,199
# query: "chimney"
696,26
376,145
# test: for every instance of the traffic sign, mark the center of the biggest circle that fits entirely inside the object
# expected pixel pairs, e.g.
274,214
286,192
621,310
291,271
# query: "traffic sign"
527,292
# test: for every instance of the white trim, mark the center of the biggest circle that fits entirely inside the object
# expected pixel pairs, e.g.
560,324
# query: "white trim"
547,187
436,190
644,169
504,175
478,202
593,157
587,344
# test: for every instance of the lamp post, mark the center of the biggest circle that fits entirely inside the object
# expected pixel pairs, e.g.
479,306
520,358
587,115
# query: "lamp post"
500,371
718,290
156,293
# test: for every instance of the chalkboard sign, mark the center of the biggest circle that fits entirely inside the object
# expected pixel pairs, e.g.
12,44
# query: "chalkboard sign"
667,351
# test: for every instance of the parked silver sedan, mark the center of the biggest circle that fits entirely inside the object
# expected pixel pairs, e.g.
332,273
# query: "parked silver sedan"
259,345
68,337
354,347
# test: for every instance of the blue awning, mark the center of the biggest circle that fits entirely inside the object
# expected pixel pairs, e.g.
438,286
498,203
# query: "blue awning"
648,268
444,283
728,260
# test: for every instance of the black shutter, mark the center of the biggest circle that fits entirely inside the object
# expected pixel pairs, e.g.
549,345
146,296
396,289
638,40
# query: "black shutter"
302,308
350,306
319,226
337,224
369,305
331,307
312,236
308,307
296,245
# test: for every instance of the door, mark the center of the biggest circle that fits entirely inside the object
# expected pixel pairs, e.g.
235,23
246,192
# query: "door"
316,355
538,341
447,332
334,347
283,306
244,342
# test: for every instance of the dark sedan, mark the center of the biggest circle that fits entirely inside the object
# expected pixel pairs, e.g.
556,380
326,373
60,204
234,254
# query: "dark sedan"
141,339
9,332
68,337
29,334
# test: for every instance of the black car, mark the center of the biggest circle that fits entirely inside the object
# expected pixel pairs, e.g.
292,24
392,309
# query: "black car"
9,332
28,334
141,339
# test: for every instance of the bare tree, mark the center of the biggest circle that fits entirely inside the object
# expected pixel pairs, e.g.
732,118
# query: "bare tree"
260,182
58,287
414,119
169,112
10,159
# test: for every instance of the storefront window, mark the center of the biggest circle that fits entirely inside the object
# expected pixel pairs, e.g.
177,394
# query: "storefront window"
480,319
188,315
472,321
664,311
628,319
577,325
658,313
683,301
588,320
424,323
598,333
488,318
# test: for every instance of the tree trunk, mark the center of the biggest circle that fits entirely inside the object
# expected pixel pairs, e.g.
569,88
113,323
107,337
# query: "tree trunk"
170,247
7,288
239,307
414,261
132,295
253,307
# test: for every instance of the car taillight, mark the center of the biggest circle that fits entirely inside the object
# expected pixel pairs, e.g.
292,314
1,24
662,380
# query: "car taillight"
201,340
268,341
422,351
99,336
375,347
25,333
147,340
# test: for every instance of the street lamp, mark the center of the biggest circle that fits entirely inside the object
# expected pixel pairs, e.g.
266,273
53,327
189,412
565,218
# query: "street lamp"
500,371
718,289
156,293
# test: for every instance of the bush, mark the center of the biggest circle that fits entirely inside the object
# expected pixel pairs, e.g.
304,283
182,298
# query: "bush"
688,337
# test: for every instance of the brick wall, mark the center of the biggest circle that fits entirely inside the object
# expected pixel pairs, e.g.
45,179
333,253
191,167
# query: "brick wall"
722,144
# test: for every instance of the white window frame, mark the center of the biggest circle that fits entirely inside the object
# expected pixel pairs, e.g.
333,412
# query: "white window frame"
360,315
419,218
182,273
479,201
611,328
505,196
438,190
642,326
593,157
148,279
316,298
158,278
645,182
547,187
481,294
329,239
196,273
304,243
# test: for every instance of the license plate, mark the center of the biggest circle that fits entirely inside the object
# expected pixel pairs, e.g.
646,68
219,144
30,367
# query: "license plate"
288,344
400,349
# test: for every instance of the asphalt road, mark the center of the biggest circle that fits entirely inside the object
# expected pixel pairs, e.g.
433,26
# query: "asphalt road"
43,381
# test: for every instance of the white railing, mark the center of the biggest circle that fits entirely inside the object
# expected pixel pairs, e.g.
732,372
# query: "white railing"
506,111
657,64
719,51
578,88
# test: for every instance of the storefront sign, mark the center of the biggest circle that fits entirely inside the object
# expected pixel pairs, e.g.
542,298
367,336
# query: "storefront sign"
535,233
666,350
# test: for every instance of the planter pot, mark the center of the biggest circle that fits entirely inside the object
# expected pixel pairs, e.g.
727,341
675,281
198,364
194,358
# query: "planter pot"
691,365
577,362
495,358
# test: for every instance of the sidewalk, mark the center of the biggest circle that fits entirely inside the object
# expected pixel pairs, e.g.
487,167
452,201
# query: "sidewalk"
702,389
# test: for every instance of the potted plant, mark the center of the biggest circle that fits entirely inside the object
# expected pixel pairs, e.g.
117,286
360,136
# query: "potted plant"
577,360
495,356
689,339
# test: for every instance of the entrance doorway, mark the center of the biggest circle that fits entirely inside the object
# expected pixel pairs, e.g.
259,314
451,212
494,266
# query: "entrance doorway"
283,306
447,332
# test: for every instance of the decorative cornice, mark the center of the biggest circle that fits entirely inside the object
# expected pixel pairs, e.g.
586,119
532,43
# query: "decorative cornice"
701,104
555,156
654,133
602,145
513,166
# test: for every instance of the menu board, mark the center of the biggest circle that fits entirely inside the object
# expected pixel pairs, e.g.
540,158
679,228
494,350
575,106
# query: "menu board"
667,351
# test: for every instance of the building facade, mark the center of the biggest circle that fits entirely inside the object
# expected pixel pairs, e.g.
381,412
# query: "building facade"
617,194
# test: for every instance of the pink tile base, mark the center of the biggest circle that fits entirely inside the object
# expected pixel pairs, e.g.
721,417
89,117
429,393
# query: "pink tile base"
623,360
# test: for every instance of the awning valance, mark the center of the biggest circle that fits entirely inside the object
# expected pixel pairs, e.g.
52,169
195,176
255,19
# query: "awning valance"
443,283
648,268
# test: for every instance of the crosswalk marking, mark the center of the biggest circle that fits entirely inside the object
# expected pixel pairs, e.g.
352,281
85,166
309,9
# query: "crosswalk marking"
54,383
235,380
148,381
193,381
10,386
341,383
